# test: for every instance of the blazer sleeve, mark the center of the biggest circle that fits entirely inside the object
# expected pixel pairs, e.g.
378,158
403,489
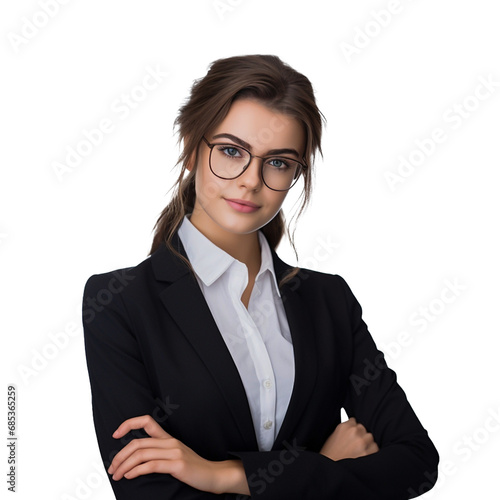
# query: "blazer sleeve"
120,390
405,465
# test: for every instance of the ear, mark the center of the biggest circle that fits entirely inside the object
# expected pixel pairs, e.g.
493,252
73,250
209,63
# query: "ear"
191,161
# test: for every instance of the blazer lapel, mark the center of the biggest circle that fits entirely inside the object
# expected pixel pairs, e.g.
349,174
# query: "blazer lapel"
304,350
186,304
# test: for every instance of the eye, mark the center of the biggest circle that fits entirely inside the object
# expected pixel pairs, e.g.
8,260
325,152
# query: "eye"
279,163
230,151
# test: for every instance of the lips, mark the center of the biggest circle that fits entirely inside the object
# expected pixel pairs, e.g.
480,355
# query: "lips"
243,202
242,206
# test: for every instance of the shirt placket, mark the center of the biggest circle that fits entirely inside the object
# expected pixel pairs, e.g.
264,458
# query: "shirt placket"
260,358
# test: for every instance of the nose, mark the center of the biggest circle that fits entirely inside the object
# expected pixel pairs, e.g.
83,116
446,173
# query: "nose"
251,177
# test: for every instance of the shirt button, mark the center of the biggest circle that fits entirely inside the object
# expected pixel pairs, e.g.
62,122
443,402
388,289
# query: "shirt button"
267,383
268,424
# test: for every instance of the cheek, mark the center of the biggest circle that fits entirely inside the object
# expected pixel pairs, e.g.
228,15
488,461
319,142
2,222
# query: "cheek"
278,199
207,185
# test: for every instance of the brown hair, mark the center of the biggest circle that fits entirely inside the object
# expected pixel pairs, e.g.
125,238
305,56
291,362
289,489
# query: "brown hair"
272,82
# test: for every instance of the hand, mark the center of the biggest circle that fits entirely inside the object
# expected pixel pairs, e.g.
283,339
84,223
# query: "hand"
349,440
164,454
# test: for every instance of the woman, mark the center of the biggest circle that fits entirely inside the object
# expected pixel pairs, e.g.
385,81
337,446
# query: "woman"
217,368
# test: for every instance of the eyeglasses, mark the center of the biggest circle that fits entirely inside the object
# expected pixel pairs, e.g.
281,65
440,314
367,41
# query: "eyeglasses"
228,161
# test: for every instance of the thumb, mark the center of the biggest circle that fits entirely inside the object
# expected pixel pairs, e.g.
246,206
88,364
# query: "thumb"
146,422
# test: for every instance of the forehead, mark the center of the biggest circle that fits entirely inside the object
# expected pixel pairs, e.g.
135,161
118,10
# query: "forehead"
261,127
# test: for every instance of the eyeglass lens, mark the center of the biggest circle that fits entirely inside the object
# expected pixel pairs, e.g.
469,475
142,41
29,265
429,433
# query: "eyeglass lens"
228,161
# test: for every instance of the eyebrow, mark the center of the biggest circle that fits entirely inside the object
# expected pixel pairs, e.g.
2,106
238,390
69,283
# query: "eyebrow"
245,144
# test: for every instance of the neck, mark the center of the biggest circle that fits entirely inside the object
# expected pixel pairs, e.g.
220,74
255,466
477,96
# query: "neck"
242,247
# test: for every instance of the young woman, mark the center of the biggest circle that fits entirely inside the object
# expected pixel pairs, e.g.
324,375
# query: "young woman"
215,367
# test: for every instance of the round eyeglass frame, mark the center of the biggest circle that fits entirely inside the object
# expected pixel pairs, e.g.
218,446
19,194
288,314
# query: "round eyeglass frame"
263,158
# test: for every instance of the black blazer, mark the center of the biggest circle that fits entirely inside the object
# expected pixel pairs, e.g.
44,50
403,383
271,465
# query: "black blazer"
153,347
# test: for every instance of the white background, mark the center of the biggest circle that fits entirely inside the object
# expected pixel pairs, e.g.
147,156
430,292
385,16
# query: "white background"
396,248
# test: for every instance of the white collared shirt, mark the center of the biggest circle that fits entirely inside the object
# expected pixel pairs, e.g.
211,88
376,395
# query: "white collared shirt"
259,338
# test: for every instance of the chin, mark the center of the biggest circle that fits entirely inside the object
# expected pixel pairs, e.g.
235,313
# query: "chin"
238,225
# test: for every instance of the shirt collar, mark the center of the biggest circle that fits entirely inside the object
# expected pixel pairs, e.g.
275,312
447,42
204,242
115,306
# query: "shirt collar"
210,261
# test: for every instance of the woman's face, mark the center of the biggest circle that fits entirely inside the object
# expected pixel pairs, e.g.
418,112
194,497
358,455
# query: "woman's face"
250,122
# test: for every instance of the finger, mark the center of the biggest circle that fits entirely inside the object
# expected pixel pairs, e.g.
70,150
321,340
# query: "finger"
146,422
142,456
158,466
140,444
351,422
361,427
373,448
